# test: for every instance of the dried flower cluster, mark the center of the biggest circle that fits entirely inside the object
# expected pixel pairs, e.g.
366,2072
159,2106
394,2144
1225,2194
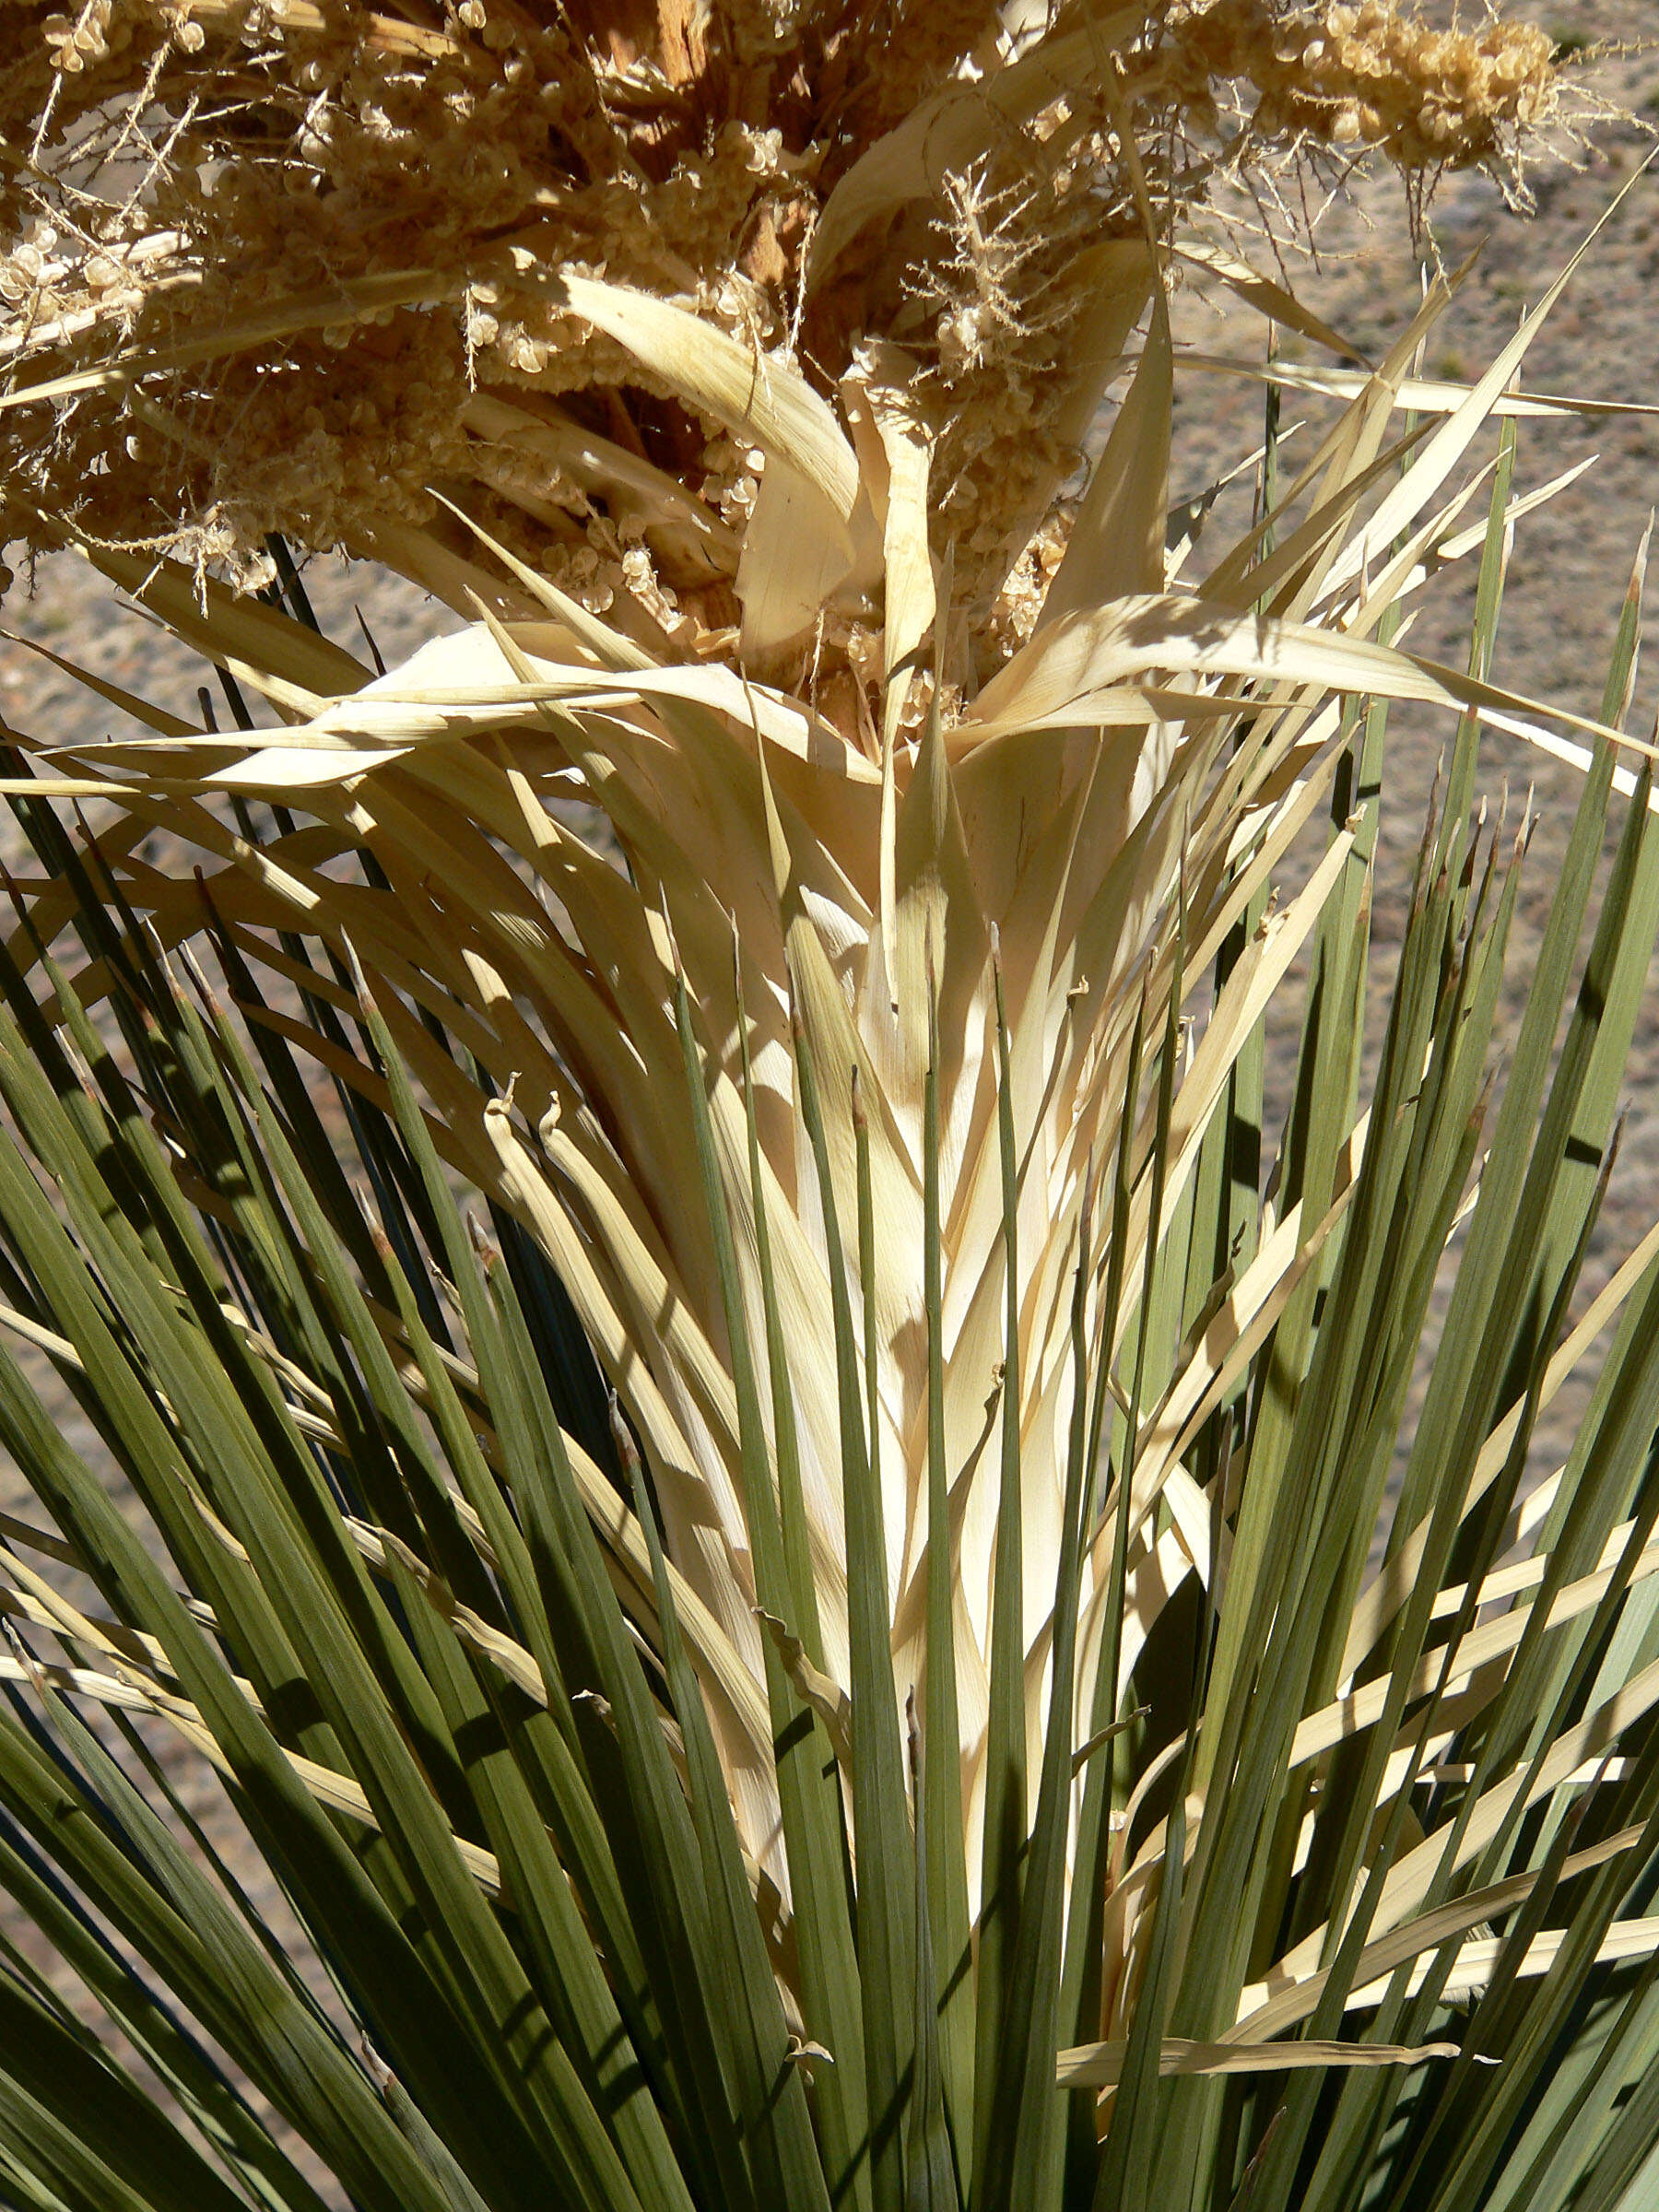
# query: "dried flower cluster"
1374,75
332,239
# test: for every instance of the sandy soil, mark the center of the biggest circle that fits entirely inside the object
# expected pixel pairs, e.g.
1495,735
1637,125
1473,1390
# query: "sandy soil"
1573,558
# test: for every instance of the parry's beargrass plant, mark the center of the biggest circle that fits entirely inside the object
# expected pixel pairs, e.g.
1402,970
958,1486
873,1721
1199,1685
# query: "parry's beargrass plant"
824,1547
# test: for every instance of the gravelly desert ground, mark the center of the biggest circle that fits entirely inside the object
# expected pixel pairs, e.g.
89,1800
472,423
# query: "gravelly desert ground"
1573,558
1571,563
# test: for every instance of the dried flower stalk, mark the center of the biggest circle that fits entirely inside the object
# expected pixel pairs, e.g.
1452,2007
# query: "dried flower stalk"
330,238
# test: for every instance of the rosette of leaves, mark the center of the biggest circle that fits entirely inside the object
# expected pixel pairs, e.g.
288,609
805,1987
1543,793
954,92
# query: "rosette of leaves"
798,1539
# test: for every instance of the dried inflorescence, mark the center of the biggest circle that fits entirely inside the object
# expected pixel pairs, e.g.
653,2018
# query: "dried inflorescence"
1377,76
340,225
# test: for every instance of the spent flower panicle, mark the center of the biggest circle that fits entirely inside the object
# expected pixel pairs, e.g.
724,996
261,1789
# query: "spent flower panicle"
327,244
